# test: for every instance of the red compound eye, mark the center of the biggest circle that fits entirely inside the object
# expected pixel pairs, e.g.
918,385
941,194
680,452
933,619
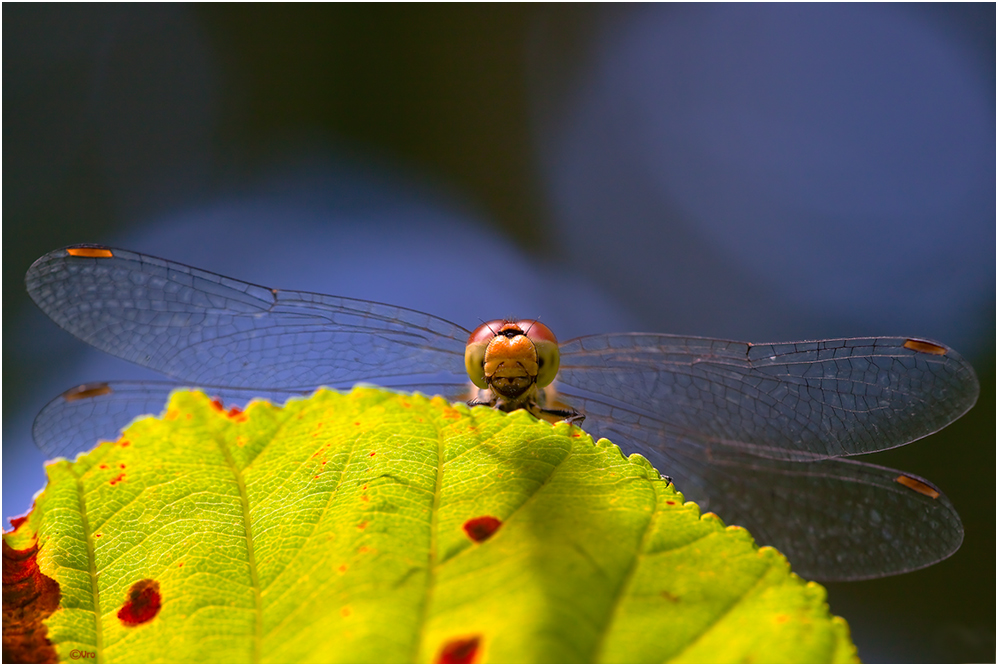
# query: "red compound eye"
548,357
536,331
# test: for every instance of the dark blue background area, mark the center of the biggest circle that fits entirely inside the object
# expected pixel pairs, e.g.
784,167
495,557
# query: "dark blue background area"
751,172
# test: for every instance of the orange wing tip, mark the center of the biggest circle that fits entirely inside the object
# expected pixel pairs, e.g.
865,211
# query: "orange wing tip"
86,391
925,347
918,486
98,252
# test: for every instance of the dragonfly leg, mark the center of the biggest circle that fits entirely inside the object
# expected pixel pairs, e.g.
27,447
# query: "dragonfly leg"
570,416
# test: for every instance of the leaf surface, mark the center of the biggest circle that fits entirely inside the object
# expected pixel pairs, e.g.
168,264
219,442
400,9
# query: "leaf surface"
378,527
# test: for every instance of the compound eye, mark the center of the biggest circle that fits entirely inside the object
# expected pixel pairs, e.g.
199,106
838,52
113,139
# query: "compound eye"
486,331
474,363
546,345
474,353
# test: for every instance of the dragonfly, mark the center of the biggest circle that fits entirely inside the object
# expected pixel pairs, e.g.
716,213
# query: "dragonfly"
763,435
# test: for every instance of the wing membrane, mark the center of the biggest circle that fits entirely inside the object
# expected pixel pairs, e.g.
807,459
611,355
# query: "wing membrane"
834,519
795,401
754,432
80,417
204,328
77,419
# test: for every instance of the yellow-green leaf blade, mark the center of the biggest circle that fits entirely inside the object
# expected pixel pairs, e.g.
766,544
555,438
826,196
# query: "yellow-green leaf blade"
337,529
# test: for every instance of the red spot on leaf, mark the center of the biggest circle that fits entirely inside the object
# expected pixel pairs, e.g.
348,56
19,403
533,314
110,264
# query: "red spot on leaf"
180,564
217,404
481,528
98,535
372,454
236,414
125,443
316,476
460,651
324,462
142,603
118,479
103,465
122,465
17,521
362,525
670,503
365,487
29,597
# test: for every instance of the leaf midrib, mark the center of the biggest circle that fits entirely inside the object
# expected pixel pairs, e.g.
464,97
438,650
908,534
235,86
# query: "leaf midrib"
250,549
625,581
92,564
431,578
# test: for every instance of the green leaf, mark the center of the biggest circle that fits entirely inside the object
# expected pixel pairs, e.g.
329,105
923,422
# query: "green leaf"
379,527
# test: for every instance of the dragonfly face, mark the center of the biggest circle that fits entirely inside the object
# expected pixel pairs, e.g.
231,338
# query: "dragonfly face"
512,359
761,434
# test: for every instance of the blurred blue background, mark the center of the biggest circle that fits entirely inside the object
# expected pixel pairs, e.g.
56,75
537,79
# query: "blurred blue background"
752,172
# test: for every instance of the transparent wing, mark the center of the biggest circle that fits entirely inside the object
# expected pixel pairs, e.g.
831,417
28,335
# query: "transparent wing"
834,519
80,417
794,400
733,423
837,519
77,419
208,329
750,432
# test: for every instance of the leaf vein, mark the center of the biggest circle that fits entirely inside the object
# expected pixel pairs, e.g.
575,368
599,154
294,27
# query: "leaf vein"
431,563
625,581
251,555
92,561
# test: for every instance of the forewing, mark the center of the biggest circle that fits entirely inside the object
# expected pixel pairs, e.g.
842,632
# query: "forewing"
207,329
834,519
794,401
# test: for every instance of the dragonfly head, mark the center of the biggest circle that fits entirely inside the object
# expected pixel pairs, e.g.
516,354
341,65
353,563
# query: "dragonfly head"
510,357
